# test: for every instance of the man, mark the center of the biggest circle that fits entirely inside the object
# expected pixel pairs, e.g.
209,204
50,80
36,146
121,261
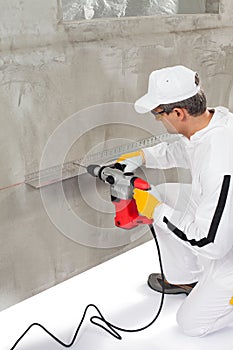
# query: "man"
194,223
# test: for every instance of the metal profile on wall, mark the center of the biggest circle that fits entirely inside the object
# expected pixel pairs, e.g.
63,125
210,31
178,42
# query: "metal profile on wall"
70,169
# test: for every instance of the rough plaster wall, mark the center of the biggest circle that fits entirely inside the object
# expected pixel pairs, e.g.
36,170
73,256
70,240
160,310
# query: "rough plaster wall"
88,9
46,75
212,6
187,6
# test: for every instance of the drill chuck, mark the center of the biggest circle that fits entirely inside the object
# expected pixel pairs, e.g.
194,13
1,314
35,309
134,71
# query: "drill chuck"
98,171
93,169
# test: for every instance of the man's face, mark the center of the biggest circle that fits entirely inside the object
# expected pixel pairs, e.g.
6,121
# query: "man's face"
168,119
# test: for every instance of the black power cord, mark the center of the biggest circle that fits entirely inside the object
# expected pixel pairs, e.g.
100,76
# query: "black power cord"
112,329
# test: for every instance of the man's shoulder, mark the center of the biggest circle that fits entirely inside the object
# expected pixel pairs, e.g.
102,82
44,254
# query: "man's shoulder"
222,121
222,134
222,115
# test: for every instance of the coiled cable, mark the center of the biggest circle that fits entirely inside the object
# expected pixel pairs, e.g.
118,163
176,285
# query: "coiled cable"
104,324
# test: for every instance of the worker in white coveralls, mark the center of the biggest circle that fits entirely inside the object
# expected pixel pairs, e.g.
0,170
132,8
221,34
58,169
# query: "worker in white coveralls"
194,223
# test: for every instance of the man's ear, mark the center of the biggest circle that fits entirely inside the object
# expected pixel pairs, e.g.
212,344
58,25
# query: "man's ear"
180,113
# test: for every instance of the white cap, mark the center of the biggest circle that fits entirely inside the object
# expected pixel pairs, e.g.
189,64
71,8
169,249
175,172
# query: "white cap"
167,85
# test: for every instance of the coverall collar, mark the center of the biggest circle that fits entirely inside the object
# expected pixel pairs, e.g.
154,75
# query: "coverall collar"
218,119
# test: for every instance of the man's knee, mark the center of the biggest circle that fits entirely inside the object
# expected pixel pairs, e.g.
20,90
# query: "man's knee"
191,325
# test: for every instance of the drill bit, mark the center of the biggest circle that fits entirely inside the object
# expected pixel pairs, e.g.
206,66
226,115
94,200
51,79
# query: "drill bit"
83,166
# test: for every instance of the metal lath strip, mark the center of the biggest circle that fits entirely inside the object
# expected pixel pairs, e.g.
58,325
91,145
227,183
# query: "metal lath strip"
69,170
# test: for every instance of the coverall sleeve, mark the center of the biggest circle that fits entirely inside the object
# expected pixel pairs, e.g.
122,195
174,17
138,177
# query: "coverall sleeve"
165,155
209,231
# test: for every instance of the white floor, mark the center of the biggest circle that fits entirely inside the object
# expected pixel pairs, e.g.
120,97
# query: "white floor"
118,287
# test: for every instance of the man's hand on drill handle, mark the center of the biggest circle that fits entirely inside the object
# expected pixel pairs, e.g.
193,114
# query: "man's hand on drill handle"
132,160
146,202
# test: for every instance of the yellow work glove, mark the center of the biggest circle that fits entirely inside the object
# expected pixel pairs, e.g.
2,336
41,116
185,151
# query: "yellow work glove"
145,202
131,160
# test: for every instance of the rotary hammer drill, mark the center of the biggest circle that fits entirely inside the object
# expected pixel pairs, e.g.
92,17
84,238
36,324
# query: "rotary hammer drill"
121,190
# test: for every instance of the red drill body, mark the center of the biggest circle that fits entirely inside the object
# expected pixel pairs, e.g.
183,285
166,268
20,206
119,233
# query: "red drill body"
121,189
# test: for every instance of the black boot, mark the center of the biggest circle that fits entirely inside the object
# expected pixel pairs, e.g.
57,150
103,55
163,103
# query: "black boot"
155,282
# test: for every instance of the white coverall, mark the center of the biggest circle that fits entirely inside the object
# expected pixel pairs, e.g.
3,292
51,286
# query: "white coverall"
195,223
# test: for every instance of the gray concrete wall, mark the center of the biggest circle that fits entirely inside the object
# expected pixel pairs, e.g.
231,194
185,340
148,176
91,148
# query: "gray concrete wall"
51,70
